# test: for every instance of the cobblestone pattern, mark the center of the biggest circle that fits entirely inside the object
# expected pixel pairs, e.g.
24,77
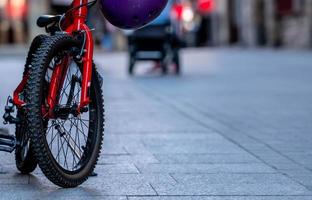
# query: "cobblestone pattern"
236,126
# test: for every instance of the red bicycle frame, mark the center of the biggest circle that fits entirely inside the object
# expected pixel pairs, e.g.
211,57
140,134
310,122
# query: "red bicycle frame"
74,22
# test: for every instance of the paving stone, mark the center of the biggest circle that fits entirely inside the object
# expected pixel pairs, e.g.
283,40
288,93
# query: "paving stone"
11,179
222,198
126,159
300,176
188,146
302,158
128,184
107,185
232,184
205,168
286,166
117,168
112,147
160,122
30,192
236,125
206,158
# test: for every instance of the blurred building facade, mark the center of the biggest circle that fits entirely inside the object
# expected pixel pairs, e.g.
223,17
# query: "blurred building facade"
18,20
275,23
250,23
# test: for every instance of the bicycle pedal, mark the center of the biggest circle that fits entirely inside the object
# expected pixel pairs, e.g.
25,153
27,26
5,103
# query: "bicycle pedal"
9,119
7,141
9,109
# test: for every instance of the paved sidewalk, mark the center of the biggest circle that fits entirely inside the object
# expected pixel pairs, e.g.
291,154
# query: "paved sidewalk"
236,126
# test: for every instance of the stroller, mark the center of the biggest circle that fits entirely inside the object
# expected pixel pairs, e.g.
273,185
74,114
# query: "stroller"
157,43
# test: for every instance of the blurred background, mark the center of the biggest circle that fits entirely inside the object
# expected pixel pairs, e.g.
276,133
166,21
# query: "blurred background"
246,23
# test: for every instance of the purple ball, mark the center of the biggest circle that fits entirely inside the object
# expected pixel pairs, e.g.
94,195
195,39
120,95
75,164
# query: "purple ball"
131,14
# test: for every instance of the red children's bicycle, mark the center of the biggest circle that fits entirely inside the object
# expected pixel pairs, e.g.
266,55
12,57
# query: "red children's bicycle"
60,107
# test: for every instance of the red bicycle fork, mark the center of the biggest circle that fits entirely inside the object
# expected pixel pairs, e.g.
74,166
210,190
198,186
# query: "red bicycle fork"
78,18
56,83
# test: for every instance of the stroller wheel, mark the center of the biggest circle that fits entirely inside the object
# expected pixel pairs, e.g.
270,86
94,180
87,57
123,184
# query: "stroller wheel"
164,67
178,70
131,66
176,61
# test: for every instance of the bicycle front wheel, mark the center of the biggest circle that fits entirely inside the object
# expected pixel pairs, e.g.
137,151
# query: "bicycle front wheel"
67,145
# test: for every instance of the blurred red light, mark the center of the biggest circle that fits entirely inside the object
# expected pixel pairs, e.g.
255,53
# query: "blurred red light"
206,6
177,10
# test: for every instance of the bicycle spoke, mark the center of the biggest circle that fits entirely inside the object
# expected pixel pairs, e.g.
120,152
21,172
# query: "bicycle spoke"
73,146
